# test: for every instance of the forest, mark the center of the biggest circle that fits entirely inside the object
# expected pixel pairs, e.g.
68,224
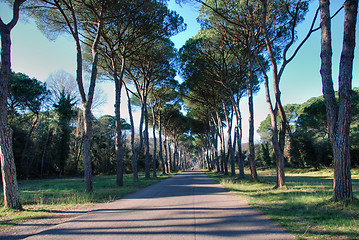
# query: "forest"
195,122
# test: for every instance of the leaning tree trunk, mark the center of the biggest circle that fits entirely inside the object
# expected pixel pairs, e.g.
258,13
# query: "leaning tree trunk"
339,115
8,169
134,150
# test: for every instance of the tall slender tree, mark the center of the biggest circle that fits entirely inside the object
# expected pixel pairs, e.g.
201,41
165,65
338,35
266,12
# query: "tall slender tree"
339,113
8,169
78,18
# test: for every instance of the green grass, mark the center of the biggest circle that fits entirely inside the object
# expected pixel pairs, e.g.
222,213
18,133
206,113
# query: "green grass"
304,207
42,198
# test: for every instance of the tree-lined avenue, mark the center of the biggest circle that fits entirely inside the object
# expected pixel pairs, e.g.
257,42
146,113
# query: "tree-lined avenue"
187,206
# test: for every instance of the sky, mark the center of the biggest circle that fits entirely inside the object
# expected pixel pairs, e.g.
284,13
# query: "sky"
35,55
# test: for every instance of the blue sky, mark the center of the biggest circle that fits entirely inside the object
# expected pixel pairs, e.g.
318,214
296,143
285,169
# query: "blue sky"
36,56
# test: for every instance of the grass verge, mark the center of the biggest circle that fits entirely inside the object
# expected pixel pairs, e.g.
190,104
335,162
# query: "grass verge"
304,207
45,197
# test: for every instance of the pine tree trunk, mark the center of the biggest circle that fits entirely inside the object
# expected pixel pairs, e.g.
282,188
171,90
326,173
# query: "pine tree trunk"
8,169
87,149
239,153
215,149
175,155
342,190
154,144
339,115
342,177
251,157
170,163
229,143
238,139
166,153
118,141
231,153
160,143
277,140
147,143
134,150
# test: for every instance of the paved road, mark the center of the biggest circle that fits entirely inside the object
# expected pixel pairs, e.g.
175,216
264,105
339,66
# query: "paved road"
187,206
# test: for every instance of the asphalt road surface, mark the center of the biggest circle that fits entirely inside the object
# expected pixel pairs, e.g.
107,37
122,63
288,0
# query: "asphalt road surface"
187,206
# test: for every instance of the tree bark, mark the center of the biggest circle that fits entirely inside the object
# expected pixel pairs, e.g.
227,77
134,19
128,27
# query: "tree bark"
222,144
215,149
134,150
118,142
230,155
175,155
339,115
342,176
170,162
251,157
160,143
239,151
154,143
87,150
166,153
147,143
238,134
8,169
